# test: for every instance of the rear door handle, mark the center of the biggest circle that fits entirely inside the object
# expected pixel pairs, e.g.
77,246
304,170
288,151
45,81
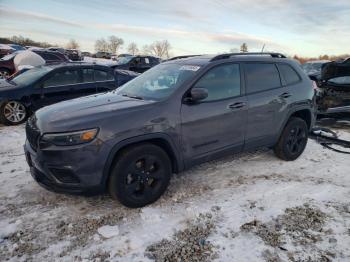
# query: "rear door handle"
236,105
285,95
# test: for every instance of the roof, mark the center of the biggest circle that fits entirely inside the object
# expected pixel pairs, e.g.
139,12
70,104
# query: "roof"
205,59
75,64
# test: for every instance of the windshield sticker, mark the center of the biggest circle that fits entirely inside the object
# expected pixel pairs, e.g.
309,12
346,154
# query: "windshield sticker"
190,68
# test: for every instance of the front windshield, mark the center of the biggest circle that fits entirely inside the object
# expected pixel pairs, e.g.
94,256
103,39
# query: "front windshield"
30,76
124,60
159,82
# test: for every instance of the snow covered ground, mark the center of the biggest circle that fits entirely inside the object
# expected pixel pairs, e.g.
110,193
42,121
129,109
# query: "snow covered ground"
249,207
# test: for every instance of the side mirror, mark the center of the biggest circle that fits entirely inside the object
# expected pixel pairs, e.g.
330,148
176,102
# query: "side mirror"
197,94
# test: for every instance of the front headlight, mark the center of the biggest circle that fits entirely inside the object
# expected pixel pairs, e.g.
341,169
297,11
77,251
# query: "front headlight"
70,138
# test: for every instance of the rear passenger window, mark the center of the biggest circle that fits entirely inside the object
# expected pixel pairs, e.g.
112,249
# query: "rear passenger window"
221,82
88,75
289,74
261,77
101,75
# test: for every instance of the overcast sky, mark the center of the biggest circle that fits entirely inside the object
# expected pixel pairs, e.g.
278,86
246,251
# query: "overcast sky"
308,28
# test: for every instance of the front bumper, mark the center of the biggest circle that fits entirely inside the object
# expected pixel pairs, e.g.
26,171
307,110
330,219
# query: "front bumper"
73,171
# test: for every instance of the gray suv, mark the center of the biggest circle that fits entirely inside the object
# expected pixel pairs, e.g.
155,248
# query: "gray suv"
176,115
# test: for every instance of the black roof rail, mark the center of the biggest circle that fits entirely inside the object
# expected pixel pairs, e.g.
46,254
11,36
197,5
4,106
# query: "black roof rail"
181,57
228,55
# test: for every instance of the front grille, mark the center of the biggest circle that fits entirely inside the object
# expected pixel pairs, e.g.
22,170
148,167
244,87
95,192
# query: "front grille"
32,132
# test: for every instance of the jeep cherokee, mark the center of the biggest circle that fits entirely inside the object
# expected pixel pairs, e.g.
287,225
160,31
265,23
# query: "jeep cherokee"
177,114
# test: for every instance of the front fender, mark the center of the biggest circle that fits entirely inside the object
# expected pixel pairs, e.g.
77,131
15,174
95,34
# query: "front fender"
144,138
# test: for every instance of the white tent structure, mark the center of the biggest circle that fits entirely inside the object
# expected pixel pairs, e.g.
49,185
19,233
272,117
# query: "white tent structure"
27,59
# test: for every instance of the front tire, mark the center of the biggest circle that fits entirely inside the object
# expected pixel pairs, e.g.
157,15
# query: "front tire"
4,73
293,140
13,113
140,175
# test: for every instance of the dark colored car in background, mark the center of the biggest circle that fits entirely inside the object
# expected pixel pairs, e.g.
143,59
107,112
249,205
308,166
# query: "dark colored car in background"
73,54
138,63
7,66
124,76
46,85
333,93
57,49
17,47
176,115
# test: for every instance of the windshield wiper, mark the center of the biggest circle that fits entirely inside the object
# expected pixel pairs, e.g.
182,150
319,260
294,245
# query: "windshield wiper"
133,96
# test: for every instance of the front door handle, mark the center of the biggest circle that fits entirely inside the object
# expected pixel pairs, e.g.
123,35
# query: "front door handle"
236,105
285,95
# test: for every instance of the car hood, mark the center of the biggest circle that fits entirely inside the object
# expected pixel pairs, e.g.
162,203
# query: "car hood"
6,86
85,112
335,69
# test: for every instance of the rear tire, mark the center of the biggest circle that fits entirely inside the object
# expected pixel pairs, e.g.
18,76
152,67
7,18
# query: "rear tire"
293,140
13,113
140,175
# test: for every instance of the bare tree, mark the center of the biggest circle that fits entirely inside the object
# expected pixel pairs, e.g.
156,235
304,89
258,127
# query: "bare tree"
146,50
72,44
101,45
158,48
114,44
132,48
244,48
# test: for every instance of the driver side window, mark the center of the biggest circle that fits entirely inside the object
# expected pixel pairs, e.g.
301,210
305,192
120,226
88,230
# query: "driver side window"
223,81
66,77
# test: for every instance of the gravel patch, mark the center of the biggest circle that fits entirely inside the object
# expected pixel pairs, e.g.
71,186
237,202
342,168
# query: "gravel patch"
189,244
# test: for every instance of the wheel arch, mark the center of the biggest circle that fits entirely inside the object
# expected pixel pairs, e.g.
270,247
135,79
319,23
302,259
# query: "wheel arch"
304,113
160,139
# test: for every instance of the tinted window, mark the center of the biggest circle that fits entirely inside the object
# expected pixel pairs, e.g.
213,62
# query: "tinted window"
66,77
289,74
88,75
221,82
261,77
154,60
101,75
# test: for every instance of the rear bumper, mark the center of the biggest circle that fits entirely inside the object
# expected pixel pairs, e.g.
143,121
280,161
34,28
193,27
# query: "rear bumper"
56,174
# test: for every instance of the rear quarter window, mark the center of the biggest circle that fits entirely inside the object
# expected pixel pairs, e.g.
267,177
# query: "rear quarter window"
261,77
289,74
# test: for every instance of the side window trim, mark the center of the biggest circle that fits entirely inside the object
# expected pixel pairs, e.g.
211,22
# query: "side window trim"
257,92
222,99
